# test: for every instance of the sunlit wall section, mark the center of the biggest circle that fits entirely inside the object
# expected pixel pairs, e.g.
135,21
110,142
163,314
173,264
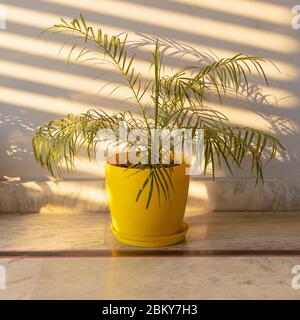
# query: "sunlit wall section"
36,84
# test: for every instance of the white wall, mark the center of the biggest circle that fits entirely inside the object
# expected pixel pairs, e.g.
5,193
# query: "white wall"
36,85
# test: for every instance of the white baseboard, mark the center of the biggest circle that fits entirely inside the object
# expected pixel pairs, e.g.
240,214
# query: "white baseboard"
205,195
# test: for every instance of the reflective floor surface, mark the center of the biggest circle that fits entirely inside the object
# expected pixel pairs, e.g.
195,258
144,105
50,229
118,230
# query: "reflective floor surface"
74,256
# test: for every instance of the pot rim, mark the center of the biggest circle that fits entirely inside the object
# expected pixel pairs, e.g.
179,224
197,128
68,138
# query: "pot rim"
146,167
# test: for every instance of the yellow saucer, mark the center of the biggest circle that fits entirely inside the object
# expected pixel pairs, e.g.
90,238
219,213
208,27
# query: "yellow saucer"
151,241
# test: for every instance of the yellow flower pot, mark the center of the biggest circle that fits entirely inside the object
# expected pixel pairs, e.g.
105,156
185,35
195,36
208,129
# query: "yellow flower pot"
159,225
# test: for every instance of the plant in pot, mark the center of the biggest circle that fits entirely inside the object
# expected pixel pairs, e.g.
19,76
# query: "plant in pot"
148,189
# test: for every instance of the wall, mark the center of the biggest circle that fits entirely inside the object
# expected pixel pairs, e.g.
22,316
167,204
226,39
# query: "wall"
37,86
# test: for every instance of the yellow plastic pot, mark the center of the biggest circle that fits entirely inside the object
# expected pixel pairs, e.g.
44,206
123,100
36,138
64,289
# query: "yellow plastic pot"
159,225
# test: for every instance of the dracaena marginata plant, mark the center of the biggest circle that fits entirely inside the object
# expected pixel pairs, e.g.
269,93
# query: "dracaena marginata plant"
173,101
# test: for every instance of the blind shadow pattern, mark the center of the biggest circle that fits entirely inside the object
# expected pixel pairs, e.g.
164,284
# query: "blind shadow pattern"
37,86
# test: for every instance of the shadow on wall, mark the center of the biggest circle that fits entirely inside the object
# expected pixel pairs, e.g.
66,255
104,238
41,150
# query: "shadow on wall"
37,86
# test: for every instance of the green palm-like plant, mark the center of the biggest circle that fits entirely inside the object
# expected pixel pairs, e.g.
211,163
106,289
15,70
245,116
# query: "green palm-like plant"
165,102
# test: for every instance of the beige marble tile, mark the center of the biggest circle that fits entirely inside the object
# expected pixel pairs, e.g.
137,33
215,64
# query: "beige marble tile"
152,277
21,277
222,230
235,230
52,231
166,278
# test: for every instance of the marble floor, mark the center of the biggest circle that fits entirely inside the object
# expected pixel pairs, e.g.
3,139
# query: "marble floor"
133,276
